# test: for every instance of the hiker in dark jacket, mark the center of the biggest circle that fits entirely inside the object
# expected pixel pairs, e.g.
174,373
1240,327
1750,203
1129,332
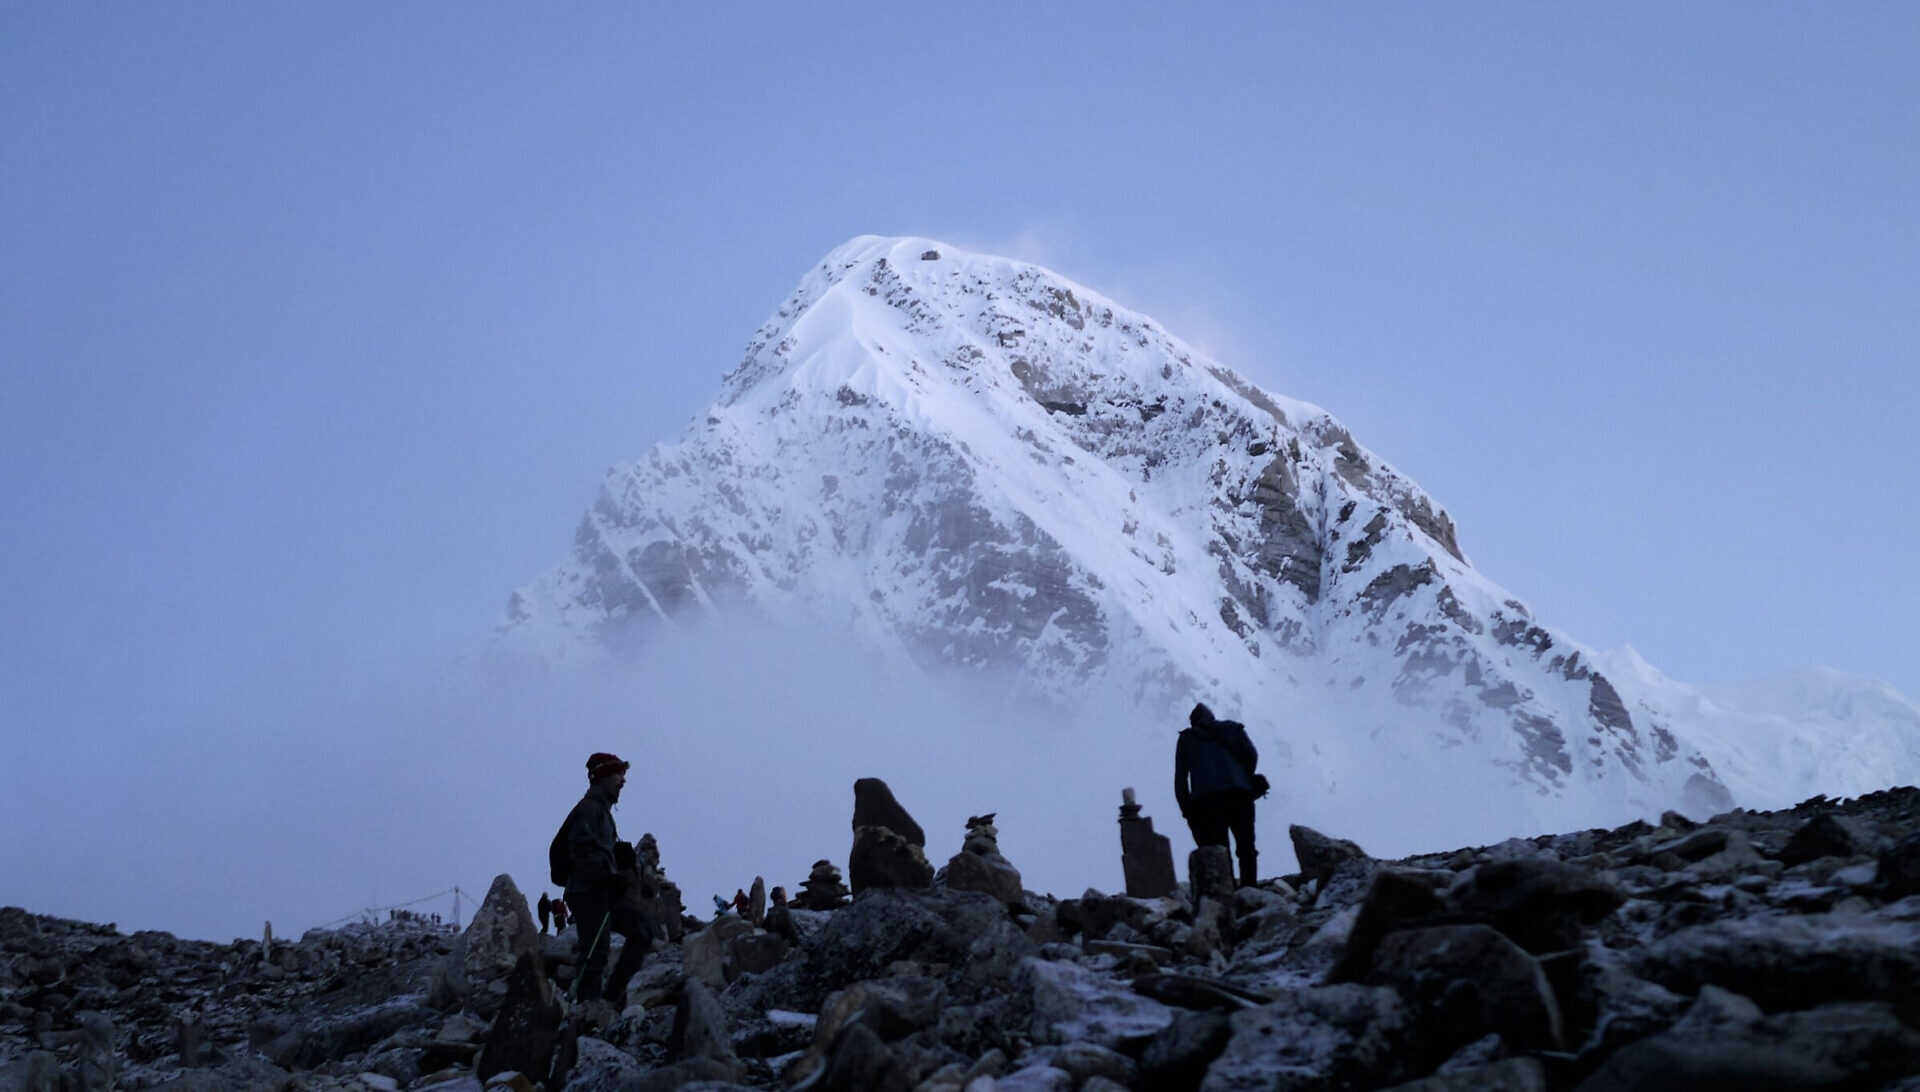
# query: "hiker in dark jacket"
596,889
546,912
1213,781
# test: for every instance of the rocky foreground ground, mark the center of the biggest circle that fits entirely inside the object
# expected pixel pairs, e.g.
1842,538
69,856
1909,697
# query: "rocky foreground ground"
1776,950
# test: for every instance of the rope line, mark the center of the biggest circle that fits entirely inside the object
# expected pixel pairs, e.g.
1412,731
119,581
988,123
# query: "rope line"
357,914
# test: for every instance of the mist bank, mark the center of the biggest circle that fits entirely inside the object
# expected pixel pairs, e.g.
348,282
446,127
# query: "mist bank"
302,799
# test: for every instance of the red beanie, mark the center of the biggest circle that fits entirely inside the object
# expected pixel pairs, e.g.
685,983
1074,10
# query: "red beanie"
601,764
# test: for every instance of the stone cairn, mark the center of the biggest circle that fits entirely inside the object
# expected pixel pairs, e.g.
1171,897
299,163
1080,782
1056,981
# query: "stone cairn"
822,889
888,846
655,896
979,866
1146,858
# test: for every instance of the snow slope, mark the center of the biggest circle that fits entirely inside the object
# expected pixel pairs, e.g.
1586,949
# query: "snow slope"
970,462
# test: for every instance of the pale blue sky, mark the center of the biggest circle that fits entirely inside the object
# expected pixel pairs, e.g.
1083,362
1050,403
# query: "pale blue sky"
319,323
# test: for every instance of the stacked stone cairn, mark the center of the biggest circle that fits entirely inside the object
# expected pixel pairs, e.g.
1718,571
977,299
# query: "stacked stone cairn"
822,889
1146,858
889,848
979,865
1755,950
656,897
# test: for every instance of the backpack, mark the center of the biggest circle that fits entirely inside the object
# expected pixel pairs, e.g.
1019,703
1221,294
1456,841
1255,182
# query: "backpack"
559,859
1261,786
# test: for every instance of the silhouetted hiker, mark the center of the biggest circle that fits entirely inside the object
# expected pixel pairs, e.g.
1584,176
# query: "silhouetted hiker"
1215,785
546,912
559,915
595,889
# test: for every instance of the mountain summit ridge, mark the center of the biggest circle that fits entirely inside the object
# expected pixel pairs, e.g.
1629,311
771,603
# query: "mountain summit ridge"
972,461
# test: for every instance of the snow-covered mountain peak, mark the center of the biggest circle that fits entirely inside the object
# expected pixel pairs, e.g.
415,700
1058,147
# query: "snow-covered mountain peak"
974,462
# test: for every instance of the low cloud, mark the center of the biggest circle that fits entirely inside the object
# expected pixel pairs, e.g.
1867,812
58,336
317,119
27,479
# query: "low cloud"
306,801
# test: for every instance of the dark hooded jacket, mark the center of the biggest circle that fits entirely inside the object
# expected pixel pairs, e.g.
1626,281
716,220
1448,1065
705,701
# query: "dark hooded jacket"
1212,756
590,840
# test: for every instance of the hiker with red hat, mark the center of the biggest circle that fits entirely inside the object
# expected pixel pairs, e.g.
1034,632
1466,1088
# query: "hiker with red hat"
582,859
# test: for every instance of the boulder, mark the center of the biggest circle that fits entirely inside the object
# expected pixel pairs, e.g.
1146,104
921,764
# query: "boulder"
1319,855
1346,1036
1210,872
501,931
753,953
989,873
527,1031
757,901
1470,981
1900,867
1074,1004
1725,1041
700,1027
1792,961
1821,836
603,1067
874,806
1036,1078
1541,904
882,858
1396,900
1082,1061
1508,1075
1177,1057
706,954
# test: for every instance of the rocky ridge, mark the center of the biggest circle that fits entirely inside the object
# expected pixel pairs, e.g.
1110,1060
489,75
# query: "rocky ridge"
1756,950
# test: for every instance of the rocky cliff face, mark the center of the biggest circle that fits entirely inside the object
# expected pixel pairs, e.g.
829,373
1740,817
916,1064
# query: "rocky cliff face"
973,462
1777,950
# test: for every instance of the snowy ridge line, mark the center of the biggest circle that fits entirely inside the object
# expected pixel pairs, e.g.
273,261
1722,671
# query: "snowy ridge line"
970,462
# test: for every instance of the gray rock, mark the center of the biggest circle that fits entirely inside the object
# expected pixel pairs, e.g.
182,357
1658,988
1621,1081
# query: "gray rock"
1731,1045
990,874
501,931
757,901
1510,1075
1472,981
861,1061
1900,867
527,1032
1074,1004
603,1067
1319,855
1035,1078
1396,900
706,953
1330,1037
1081,1061
753,953
1210,872
701,1027
1541,904
1821,836
1177,1058
1792,961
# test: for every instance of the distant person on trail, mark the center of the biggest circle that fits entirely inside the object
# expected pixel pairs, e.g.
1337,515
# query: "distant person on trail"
1215,784
559,915
583,858
546,912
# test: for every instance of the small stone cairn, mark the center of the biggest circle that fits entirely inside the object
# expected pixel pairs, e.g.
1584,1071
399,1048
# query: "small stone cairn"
823,889
1146,858
979,866
655,896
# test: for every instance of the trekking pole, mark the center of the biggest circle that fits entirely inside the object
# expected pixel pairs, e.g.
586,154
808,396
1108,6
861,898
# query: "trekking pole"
573,991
